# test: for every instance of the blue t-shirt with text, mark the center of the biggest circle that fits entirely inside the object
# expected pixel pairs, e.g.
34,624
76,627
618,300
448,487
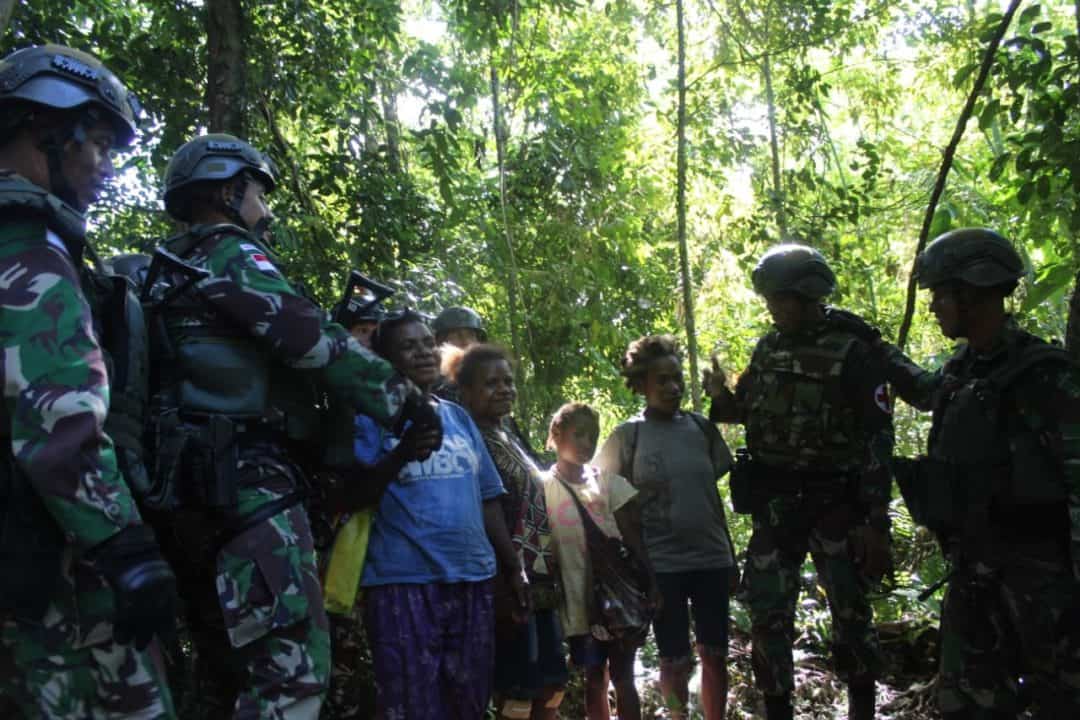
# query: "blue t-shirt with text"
429,527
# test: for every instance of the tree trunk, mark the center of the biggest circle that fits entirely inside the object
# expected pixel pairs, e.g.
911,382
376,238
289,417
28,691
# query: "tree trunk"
226,82
512,293
774,148
1072,329
394,160
946,163
680,185
7,7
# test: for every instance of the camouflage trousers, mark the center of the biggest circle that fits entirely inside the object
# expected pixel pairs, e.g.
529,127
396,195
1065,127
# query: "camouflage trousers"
784,531
67,666
1019,619
254,603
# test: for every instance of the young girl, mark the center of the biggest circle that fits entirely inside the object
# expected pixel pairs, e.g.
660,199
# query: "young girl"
610,501
674,458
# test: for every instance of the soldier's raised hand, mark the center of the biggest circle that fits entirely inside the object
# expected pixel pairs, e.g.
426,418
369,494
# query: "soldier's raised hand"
714,380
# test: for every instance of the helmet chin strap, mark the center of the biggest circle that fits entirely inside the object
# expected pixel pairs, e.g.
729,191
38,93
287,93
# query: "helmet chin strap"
236,202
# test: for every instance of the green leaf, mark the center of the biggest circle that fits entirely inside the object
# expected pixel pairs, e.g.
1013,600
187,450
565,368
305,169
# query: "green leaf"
961,76
1048,280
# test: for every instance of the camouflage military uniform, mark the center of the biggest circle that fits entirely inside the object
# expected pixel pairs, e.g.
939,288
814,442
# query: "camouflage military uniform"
257,613
62,662
1012,608
819,427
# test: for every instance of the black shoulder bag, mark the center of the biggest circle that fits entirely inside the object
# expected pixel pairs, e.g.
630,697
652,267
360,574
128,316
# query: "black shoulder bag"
619,579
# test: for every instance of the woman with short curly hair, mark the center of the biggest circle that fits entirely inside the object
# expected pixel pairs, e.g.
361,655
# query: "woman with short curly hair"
674,459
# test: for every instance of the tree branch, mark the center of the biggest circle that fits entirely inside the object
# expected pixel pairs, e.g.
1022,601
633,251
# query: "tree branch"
946,163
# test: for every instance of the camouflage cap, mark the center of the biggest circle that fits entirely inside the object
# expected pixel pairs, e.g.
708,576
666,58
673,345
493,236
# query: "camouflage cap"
214,157
794,268
66,79
977,256
459,317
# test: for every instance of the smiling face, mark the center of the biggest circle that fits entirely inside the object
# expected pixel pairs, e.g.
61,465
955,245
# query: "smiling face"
664,385
87,166
413,353
490,397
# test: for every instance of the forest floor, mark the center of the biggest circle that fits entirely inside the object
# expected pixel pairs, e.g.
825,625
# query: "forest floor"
905,692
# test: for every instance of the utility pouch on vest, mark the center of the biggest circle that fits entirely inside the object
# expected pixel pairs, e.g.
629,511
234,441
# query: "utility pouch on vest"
221,377
31,546
746,496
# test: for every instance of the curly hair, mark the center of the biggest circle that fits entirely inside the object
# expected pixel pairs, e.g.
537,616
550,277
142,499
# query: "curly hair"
642,353
570,414
466,369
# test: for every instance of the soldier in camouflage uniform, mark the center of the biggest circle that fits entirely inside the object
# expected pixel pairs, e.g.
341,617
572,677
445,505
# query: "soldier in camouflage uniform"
244,357
85,587
1000,486
819,429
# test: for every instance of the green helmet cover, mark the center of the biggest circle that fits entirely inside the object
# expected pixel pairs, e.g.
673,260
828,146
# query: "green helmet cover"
796,269
976,256
215,157
62,78
459,317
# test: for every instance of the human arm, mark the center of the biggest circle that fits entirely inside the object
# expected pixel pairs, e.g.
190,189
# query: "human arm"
628,520
726,406
509,563
871,538
246,287
56,397
365,483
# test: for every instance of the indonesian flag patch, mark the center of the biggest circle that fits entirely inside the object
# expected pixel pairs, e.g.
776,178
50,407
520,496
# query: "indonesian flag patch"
257,256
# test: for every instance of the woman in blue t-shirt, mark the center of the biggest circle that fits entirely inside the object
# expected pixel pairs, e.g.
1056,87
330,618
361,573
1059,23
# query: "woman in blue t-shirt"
432,553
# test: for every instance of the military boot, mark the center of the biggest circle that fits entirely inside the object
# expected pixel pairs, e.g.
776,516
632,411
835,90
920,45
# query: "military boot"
778,707
861,701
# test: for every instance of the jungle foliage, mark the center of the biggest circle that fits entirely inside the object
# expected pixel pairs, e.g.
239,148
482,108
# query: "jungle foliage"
520,157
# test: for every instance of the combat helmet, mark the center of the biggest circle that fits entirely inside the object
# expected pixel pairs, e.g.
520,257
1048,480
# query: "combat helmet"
212,158
794,268
976,256
459,317
62,78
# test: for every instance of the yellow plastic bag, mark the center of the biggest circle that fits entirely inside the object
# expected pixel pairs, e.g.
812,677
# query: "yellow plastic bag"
342,584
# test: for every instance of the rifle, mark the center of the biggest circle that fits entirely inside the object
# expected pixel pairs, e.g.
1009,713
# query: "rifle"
353,303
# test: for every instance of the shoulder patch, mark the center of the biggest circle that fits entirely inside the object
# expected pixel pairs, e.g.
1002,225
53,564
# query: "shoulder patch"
882,398
257,256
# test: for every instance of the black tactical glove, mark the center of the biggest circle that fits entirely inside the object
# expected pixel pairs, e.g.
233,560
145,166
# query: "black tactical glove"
419,412
852,323
417,443
142,582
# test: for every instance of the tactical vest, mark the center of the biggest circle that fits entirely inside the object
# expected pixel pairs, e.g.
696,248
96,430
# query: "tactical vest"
986,445
220,369
31,543
800,414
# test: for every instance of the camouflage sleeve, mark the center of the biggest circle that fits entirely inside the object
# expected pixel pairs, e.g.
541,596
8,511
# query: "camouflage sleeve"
248,288
56,394
915,385
874,408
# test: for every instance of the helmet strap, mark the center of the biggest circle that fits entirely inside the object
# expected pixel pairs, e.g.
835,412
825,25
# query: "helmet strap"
236,201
